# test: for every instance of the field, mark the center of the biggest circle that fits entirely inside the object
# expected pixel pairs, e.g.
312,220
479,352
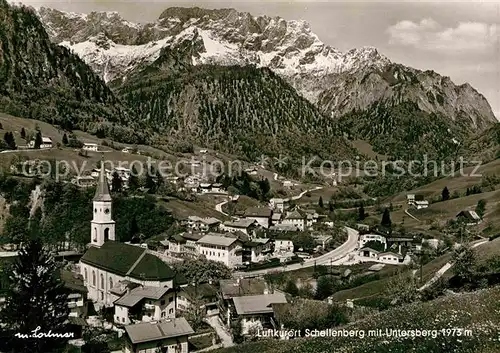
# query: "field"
477,312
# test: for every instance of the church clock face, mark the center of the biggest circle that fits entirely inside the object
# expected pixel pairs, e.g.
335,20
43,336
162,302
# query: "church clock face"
106,210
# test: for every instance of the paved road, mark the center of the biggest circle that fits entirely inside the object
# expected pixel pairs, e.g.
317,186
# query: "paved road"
348,246
218,207
215,322
446,267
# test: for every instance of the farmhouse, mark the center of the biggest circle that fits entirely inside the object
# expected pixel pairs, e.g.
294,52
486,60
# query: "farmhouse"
46,143
277,204
91,147
260,214
365,238
246,226
469,217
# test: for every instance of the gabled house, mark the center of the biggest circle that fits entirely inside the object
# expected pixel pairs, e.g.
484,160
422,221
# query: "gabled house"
365,238
170,336
256,311
46,143
208,224
469,217
277,204
283,245
262,215
204,293
276,218
77,293
223,249
246,226
295,218
185,243
256,250
91,147
145,304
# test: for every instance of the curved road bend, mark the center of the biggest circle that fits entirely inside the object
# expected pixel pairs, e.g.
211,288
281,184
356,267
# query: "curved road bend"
348,246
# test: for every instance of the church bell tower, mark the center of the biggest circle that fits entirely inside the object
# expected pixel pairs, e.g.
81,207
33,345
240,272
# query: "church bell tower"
102,225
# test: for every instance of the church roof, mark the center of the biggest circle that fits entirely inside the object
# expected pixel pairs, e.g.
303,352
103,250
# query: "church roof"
102,191
128,260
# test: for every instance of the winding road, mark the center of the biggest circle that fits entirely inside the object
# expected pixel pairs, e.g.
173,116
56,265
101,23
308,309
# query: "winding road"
326,259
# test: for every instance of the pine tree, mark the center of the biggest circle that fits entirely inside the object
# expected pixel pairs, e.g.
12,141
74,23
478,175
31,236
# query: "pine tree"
116,183
330,206
23,133
65,140
386,219
133,181
149,182
35,300
445,194
320,202
361,213
38,140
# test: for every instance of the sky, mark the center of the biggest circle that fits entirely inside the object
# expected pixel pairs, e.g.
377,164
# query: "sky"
456,39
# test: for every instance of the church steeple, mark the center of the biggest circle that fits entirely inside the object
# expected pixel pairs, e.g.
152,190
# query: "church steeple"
102,191
103,226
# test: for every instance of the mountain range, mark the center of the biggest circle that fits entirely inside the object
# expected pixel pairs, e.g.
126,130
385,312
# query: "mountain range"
188,52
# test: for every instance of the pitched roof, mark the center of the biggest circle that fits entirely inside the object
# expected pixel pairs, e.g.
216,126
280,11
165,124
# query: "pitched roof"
137,294
246,286
390,253
153,331
294,215
242,223
369,249
256,304
72,281
471,215
213,239
258,212
123,259
102,191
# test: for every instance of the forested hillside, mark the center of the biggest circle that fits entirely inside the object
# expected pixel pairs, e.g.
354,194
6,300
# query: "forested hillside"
41,80
241,110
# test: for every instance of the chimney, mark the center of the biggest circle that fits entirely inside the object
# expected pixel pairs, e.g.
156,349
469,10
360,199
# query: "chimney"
399,250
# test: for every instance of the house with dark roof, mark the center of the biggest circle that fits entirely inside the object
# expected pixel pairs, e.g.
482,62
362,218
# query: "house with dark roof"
169,335
208,224
203,293
108,262
295,218
143,304
469,217
244,225
262,215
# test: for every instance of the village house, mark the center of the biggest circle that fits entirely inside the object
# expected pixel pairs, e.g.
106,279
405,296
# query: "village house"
277,204
469,217
90,147
365,238
367,254
246,226
257,250
144,303
84,181
127,150
204,188
256,311
283,245
237,287
209,224
261,215
184,244
203,293
46,143
276,218
169,336
287,184
221,249
283,228
217,188
77,293
417,201
295,218
107,261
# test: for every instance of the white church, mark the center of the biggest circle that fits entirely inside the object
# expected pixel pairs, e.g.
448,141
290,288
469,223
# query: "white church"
122,275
